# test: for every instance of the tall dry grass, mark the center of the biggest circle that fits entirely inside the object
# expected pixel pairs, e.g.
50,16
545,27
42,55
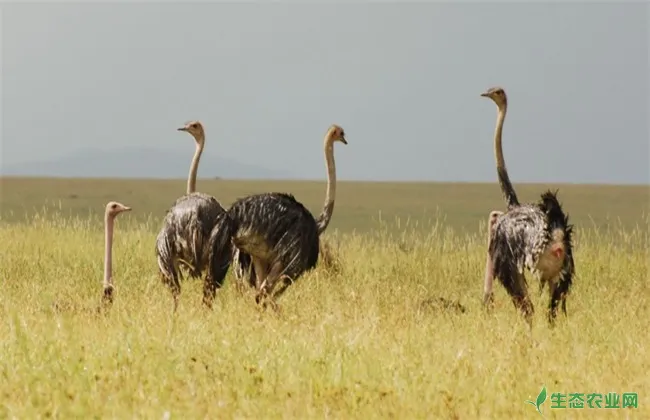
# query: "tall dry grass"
364,337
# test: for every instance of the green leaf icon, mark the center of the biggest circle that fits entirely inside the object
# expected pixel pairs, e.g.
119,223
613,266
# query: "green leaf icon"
541,397
540,400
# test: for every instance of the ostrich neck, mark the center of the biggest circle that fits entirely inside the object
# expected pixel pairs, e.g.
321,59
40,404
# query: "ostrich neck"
498,131
502,172
330,194
108,249
194,168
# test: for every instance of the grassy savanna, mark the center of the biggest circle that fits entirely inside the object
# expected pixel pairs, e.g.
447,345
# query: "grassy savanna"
359,205
366,340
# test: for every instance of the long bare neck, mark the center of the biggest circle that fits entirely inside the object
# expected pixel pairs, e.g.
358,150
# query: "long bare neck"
108,250
330,195
194,168
504,180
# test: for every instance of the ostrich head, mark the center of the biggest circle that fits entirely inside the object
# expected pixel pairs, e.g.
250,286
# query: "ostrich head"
114,208
336,133
492,220
498,95
195,128
494,215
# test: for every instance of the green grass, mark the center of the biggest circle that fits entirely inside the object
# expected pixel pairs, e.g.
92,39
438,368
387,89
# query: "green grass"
359,205
354,343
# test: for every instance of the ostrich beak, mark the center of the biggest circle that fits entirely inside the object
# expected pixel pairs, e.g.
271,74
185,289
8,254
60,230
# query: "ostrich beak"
182,129
343,140
485,95
126,208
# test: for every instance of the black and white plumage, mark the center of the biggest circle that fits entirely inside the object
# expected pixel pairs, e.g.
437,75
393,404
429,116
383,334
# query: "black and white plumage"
274,236
278,234
536,237
183,241
186,232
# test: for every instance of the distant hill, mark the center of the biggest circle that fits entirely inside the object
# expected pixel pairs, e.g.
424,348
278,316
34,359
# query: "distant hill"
140,163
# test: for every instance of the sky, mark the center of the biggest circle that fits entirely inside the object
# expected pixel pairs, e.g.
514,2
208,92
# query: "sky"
402,79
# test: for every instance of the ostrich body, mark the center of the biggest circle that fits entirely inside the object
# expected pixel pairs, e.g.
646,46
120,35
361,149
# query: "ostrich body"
532,236
113,208
184,237
274,236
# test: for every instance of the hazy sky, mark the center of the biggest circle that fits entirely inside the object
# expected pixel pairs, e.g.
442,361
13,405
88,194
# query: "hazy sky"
402,79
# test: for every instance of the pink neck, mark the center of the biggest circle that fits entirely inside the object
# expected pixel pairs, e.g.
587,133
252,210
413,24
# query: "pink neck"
108,250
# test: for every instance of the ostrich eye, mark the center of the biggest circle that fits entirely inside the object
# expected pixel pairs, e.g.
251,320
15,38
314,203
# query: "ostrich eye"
114,206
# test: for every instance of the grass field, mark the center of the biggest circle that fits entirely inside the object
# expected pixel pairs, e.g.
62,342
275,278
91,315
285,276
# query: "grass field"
359,205
361,342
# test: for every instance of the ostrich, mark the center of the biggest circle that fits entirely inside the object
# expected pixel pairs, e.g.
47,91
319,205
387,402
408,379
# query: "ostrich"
183,239
243,266
113,208
489,279
535,236
276,237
